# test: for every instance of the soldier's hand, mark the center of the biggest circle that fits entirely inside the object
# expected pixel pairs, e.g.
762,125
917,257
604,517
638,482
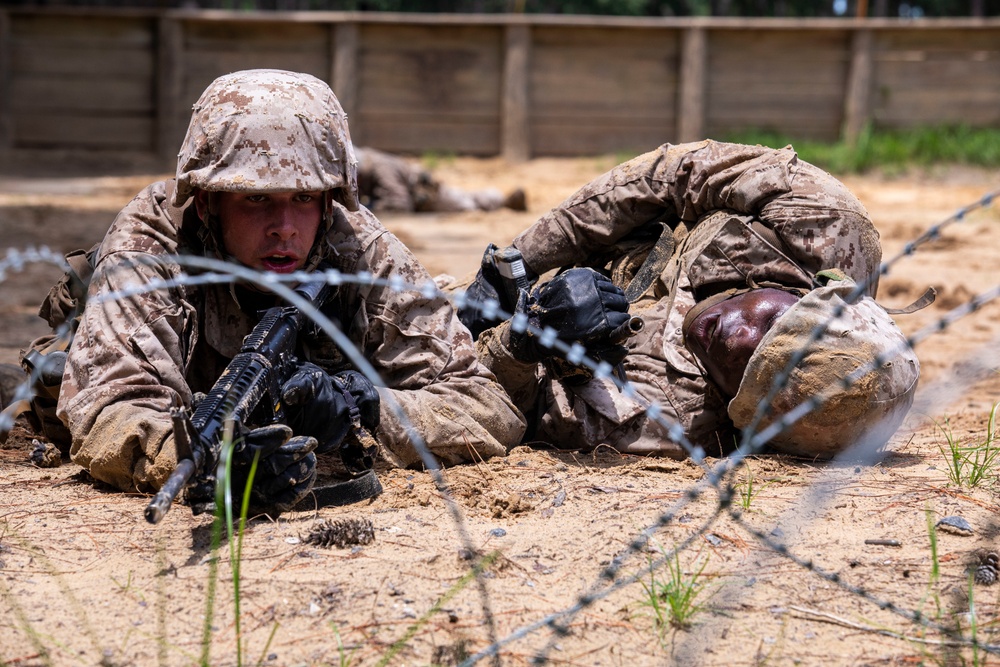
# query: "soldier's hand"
580,305
285,476
315,407
324,406
487,286
286,470
365,396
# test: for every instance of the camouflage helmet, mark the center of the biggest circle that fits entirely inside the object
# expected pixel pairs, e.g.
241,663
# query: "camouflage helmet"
268,130
866,413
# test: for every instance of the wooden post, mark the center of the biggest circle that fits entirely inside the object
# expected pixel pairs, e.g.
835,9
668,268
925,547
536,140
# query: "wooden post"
515,131
6,69
857,101
344,73
168,89
691,94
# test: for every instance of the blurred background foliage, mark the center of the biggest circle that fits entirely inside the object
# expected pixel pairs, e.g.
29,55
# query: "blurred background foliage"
722,8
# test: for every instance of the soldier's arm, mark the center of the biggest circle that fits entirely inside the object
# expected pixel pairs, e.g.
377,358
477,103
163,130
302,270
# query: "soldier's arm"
521,380
428,362
687,181
123,369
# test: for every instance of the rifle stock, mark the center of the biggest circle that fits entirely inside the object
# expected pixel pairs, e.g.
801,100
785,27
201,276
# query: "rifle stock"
248,392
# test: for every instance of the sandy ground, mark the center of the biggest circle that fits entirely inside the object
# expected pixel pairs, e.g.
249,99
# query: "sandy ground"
84,580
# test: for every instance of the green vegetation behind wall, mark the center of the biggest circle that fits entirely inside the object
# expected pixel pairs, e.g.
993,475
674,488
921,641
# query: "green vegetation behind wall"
893,150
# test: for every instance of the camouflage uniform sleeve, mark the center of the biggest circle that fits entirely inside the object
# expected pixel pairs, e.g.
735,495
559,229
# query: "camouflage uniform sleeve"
124,366
391,182
821,222
427,360
521,380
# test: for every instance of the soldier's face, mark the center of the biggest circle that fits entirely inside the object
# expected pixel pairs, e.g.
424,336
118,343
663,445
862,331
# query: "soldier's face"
724,336
271,232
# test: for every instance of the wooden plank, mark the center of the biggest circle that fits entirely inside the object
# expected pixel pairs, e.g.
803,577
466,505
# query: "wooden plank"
436,84
70,131
344,74
755,84
976,107
515,135
596,120
248,37
776,45
830,72
559,141
771,116
937,93
953,73
937,40
776,92
692,85
204,67
416,137
111,60
584,80
797,130
81,95
82,32
610,70
169,83
428,82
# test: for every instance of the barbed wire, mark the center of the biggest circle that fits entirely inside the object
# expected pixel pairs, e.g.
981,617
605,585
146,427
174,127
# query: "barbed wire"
716,476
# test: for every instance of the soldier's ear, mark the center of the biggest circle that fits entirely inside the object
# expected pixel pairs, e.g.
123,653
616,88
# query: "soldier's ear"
204,203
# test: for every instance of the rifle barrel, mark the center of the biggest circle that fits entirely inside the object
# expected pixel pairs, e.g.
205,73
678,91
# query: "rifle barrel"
629,328
164,498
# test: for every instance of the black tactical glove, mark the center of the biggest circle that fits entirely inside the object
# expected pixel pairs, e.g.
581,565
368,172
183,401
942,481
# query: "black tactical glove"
320,405
284,476
582,306
488,285
286,471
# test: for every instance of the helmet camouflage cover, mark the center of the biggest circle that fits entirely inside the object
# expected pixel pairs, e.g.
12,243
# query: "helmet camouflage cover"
268,131
864,414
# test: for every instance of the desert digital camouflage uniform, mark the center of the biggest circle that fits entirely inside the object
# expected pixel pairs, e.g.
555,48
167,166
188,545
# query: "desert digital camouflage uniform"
131,355
713,192
390,183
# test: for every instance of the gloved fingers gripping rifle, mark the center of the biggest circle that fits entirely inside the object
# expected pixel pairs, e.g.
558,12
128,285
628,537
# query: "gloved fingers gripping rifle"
248,392
286,468
328,407
513,273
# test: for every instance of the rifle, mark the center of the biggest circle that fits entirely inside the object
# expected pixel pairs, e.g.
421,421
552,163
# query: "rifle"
248,392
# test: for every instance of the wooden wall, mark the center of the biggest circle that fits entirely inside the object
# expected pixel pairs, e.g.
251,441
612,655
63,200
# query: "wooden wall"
80,83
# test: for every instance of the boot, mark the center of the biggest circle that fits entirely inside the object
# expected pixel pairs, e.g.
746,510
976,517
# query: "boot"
516,200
